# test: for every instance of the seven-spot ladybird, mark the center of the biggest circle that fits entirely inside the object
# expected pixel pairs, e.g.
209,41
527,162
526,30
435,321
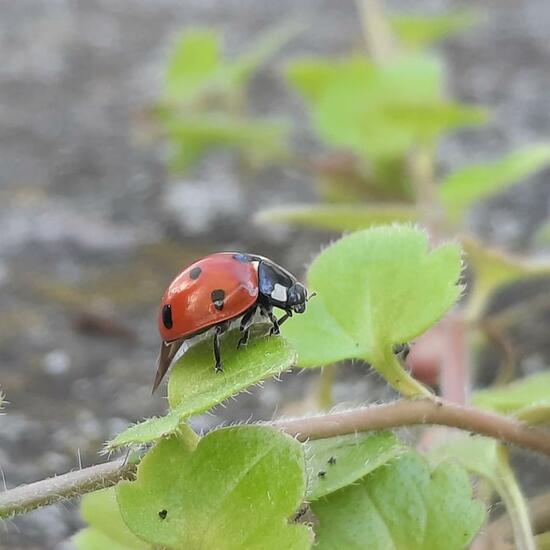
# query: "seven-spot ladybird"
221,288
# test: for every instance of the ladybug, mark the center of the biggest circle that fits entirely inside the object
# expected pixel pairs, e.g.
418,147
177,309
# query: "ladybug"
221,288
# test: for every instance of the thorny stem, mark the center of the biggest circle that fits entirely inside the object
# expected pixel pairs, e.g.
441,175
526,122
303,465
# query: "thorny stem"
378,417
25,498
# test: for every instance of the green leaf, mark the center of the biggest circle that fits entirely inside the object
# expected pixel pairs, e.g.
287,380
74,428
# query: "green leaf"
194,59
192,136
345,217
195,387
542,235
416,32
336,462
485,457
527,398
494,268
196,67
375,288
402,506
107,529
311,76
236,490
92,539
461,189
351,99
268,45
426,121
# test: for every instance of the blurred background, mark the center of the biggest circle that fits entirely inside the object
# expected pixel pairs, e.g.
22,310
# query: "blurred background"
137,136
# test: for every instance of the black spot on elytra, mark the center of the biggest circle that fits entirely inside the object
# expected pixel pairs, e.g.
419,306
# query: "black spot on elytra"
218,297
244,258
167,316
195,273
163,514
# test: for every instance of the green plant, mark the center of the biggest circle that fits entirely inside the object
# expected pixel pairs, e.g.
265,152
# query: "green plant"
203,103
249,486
337,480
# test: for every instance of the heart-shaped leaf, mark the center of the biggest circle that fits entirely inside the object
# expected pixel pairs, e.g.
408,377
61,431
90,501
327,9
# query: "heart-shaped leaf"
375,288
236,490
336,462
106,528
402,506
344,217
195,387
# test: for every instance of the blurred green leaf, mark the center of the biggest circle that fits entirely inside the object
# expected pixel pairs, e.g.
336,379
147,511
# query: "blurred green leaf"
494,268
268,45
195,387
376,288
336,462
427,120
542,235
312,76
196,65
341,217
193,60
419,32
350,99
192,136
236,490
402,506
527,398
463,188
106,527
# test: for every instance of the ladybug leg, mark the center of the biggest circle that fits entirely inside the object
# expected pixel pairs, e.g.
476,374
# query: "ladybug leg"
246,323
267,311
217,353
286,316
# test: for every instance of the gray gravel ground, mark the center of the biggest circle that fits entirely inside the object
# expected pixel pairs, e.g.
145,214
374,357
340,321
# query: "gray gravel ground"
90,222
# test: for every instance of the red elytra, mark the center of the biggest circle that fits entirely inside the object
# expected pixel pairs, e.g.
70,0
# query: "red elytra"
213,290
218,289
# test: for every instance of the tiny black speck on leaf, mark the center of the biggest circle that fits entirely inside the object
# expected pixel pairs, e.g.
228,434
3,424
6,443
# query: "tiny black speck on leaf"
321,473
163,514
332,460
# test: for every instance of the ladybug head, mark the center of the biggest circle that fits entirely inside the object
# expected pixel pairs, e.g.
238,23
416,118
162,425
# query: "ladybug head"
297,297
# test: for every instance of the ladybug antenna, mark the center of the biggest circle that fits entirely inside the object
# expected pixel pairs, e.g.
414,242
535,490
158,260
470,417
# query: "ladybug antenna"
166,355
312,295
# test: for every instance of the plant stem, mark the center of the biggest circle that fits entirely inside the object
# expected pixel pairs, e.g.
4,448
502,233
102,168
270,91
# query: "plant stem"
399,413
25,498
515,504
395,374
453,378
539,510
376,31
409,412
